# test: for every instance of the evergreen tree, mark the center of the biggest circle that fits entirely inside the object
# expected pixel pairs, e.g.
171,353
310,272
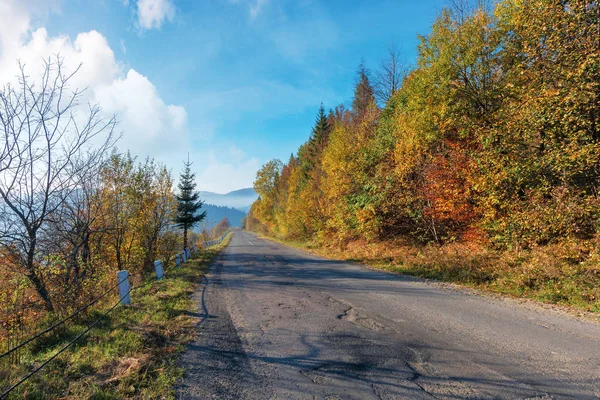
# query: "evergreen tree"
188,202
310,152
320,132
363,92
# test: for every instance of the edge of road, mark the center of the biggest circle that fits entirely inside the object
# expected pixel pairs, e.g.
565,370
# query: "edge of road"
553,309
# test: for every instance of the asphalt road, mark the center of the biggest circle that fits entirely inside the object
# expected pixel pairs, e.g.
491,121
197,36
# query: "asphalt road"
279,324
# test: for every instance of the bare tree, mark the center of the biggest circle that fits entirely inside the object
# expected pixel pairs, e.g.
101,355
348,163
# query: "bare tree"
389,76
47,149
74,231
462,9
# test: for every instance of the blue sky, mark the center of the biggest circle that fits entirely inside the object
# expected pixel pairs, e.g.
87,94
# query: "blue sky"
233,82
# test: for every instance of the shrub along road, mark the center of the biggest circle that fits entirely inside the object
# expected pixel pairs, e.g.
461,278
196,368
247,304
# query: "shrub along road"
277,323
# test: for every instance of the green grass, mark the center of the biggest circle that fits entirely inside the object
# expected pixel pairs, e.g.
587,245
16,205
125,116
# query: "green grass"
131,353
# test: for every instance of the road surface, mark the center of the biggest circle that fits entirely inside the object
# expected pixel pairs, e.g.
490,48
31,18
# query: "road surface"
277,323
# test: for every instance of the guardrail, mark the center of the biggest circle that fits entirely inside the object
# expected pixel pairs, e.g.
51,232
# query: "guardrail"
125,290
214,242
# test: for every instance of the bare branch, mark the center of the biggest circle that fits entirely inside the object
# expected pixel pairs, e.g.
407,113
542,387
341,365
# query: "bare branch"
388,78
45,158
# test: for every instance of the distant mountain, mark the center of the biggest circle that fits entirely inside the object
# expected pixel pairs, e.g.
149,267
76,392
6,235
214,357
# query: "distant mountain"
245,209
243,192
214,214
240,199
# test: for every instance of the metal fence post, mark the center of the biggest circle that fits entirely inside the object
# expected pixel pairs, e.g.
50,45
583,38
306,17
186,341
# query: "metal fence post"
123,280
158,267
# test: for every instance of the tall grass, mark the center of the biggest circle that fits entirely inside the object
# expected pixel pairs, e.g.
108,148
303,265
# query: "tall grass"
131,353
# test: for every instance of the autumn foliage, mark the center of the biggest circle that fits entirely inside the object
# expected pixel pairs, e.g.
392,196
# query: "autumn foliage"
492,140
120,220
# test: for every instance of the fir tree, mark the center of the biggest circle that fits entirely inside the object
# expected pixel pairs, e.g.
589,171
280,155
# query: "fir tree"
363,92
310,152
320,132
188,202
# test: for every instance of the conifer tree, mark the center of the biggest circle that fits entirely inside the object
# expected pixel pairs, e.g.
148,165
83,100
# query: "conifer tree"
310,152
188,202
320,132
363,92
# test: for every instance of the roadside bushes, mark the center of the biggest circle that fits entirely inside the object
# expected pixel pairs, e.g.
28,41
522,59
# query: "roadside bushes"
492,140
493,136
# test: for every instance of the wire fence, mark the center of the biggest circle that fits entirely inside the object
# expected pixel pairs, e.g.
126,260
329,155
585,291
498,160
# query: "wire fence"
62,349
179,259
61,322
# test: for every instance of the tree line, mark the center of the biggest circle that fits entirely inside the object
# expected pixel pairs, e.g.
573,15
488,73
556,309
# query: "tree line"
74,210
493,138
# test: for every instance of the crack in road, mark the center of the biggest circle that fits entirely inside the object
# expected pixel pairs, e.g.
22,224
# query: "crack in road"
414,378
275,323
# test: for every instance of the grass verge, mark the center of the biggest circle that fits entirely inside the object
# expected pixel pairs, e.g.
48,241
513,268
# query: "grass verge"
566,274
131,353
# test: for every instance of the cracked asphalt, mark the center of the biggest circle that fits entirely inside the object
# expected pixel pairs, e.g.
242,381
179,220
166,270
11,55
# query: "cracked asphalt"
277,323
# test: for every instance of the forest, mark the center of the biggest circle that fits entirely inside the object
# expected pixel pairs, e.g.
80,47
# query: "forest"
479,164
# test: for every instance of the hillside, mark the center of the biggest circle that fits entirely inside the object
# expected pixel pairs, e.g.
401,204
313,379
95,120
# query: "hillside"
481,167
215,213
240,199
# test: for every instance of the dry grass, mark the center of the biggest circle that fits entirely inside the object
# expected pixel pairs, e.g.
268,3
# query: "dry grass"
567,274
131,354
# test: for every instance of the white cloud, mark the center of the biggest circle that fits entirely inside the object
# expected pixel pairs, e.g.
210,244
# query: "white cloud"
153,13
15,23
223,176
160,128
89,48
15,19
149,125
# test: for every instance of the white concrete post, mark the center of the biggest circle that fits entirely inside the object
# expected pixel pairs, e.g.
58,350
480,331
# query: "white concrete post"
194,248
123,280
183,256
177,260
188,253
158,267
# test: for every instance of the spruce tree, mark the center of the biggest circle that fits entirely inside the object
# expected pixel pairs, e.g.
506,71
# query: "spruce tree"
311,151
363,92
320,132
188,202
